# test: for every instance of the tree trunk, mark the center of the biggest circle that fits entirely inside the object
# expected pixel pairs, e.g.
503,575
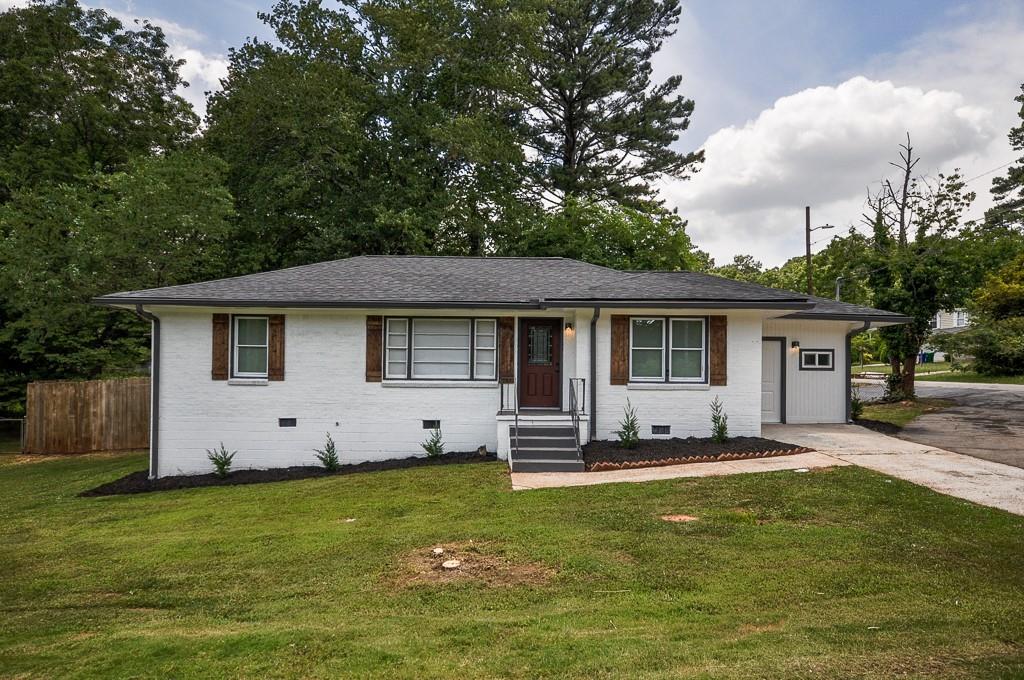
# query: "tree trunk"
909,374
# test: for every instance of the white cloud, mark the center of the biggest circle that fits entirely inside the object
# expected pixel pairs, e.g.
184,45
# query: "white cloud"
823,146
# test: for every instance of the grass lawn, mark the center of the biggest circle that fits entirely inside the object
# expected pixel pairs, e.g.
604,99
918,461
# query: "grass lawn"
900,413
970,377
10,442
835,573
922,369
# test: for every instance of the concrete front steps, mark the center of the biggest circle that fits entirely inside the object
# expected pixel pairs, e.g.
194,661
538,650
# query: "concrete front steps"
544,448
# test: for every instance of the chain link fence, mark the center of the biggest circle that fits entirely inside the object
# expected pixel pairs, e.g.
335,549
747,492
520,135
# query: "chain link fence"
12,435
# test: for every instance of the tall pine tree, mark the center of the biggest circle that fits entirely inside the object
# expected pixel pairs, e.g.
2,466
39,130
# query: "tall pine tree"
600,128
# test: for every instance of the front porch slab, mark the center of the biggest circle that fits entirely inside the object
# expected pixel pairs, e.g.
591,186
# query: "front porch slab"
522,481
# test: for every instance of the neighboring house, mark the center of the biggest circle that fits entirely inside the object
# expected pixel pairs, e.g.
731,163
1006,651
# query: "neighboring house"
379,350
946,322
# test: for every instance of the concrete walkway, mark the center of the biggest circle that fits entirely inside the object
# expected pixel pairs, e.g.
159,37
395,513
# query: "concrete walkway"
549,480
980,481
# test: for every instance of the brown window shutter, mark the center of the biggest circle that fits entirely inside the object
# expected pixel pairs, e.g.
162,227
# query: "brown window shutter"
719,351
507,349
374,348
275,356
620,349
221,339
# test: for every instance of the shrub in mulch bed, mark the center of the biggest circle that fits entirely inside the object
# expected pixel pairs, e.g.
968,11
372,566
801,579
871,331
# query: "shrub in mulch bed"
138,482
607,455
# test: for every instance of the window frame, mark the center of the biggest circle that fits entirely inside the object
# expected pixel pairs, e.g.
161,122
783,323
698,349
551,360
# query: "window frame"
961,318
235,373
831,353
410,349
666,351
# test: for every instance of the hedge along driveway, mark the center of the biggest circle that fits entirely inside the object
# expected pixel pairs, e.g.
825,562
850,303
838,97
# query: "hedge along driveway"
829,573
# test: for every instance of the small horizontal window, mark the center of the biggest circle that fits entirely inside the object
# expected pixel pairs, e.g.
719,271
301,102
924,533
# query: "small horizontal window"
661,429
817,359
286,422
431,424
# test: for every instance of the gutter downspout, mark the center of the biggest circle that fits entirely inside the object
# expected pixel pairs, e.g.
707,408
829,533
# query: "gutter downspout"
849,367
593,372
154,392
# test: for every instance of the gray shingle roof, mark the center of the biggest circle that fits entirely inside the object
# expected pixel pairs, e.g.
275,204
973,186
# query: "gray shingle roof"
833,309
529,282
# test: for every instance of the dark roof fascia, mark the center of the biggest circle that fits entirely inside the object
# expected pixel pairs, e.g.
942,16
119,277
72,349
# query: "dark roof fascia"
837,316
684,304
399,304
308,304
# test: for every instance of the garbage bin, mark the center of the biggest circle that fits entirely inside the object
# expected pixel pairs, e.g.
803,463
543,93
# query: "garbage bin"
929,357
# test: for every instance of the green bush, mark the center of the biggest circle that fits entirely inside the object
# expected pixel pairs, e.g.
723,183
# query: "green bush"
997,346
434,446
856,403
629,428
221,460
719,422
328,456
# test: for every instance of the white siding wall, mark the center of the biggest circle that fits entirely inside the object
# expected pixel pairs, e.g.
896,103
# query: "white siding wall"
813,396
686,408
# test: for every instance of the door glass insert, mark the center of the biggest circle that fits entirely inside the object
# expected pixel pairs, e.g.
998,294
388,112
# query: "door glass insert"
538,346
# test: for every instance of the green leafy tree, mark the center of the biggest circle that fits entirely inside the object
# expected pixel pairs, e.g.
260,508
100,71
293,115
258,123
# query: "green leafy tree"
161,221
742,268
996,336
917,260
379,127
618,237
80,93
600,128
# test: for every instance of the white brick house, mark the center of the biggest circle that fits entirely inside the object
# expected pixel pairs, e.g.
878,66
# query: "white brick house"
377,351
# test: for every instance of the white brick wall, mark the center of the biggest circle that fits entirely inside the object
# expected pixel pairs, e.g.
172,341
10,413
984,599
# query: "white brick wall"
686,408
324,389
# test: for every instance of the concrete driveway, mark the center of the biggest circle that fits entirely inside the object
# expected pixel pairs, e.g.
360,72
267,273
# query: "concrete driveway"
987,421
981,481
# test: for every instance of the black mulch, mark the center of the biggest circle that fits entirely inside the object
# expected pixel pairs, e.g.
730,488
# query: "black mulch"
878,426
138,482
692,447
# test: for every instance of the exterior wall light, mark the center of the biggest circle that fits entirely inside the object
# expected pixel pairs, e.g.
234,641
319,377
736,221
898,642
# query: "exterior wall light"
570,332
795,344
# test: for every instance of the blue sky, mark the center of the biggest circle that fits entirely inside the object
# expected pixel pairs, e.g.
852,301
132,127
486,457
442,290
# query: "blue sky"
797,101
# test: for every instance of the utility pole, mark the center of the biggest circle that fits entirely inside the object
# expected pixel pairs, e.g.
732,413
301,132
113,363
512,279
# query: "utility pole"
807,235
807,239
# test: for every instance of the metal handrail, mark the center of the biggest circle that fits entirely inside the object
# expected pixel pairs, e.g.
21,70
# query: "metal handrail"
510,397
577,396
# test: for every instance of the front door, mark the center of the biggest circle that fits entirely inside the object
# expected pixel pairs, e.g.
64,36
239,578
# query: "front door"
771,381
540,359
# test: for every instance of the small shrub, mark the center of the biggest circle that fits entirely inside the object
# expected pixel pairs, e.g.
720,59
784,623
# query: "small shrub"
719,422
894,389
328,456
434,446
221,460
629,432
856,403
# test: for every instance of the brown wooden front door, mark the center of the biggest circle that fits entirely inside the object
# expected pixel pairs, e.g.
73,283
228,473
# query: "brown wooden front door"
540,361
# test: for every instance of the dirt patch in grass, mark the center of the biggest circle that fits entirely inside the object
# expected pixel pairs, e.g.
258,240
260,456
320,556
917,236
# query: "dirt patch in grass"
139,482
479,562
891,417
608,455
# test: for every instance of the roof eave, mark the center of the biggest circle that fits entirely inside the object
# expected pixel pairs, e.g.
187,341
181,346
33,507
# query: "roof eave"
839,316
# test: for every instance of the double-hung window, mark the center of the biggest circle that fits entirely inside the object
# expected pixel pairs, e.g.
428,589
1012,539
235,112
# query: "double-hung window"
249,353
667,349
440,349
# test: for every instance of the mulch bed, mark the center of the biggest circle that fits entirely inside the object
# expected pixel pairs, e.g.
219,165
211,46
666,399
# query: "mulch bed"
608,455
138,482
878,426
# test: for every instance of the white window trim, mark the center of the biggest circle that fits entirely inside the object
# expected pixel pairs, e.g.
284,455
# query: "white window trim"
388,347
633,378
830,353
476,347
703,349
409,379
235,373
666,352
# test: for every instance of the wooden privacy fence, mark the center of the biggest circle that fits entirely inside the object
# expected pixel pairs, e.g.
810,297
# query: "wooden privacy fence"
93,415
